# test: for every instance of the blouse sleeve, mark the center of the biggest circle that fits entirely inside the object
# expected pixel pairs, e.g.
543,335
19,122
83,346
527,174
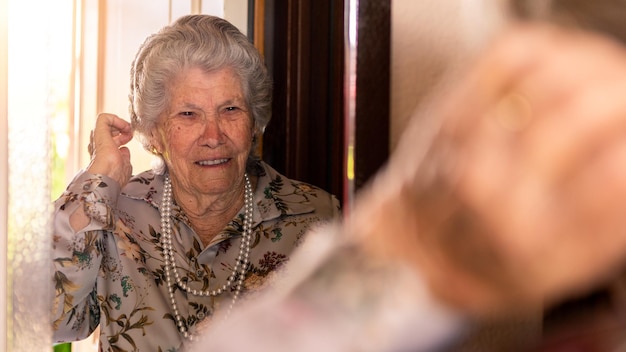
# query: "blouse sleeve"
77,255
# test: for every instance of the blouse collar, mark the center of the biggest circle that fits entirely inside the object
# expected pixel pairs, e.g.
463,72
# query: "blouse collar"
275,194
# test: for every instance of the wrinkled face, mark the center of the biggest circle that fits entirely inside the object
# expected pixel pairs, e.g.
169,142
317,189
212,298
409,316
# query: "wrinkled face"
205,134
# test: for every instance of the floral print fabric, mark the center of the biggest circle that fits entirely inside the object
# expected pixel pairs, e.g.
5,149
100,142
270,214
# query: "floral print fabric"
111,273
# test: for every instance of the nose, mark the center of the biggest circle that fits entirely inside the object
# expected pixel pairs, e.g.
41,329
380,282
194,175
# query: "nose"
212,134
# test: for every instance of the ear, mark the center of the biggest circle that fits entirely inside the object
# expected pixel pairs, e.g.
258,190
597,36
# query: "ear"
156,142
256,131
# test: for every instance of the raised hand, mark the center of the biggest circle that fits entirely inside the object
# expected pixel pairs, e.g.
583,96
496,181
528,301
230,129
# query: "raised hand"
109,156
539,133
520,199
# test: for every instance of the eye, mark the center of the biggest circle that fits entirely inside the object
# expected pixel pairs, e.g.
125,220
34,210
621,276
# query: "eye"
231,108
186,113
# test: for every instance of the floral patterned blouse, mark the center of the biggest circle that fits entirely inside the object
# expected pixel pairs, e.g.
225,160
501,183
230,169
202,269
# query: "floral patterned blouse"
111,273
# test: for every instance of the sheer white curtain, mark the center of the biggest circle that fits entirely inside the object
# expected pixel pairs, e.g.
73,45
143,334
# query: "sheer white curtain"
3,174
31,84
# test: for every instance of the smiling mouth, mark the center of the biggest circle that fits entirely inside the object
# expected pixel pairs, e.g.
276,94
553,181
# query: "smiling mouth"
212,162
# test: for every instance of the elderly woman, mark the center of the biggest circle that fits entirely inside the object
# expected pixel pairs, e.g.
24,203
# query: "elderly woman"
148,258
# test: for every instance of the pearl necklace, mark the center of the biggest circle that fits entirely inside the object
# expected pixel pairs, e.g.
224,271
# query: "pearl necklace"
241,264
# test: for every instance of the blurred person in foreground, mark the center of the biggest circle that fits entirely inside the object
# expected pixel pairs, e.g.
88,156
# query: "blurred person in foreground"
507,198
149,258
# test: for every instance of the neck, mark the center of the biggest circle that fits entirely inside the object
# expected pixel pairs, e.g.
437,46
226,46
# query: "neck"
208,216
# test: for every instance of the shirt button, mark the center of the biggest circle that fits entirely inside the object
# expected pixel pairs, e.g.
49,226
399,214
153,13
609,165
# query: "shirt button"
201,316
200,273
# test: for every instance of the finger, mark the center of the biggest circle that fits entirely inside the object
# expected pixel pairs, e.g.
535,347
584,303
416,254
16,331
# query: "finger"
125,152
575,94
571,117
114,123
511,57
111,127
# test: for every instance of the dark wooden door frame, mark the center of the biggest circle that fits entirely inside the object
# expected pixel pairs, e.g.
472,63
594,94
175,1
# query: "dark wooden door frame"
372,109
305,52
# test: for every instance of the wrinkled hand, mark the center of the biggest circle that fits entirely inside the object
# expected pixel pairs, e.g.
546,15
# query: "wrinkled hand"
539,175
109,156
529,197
